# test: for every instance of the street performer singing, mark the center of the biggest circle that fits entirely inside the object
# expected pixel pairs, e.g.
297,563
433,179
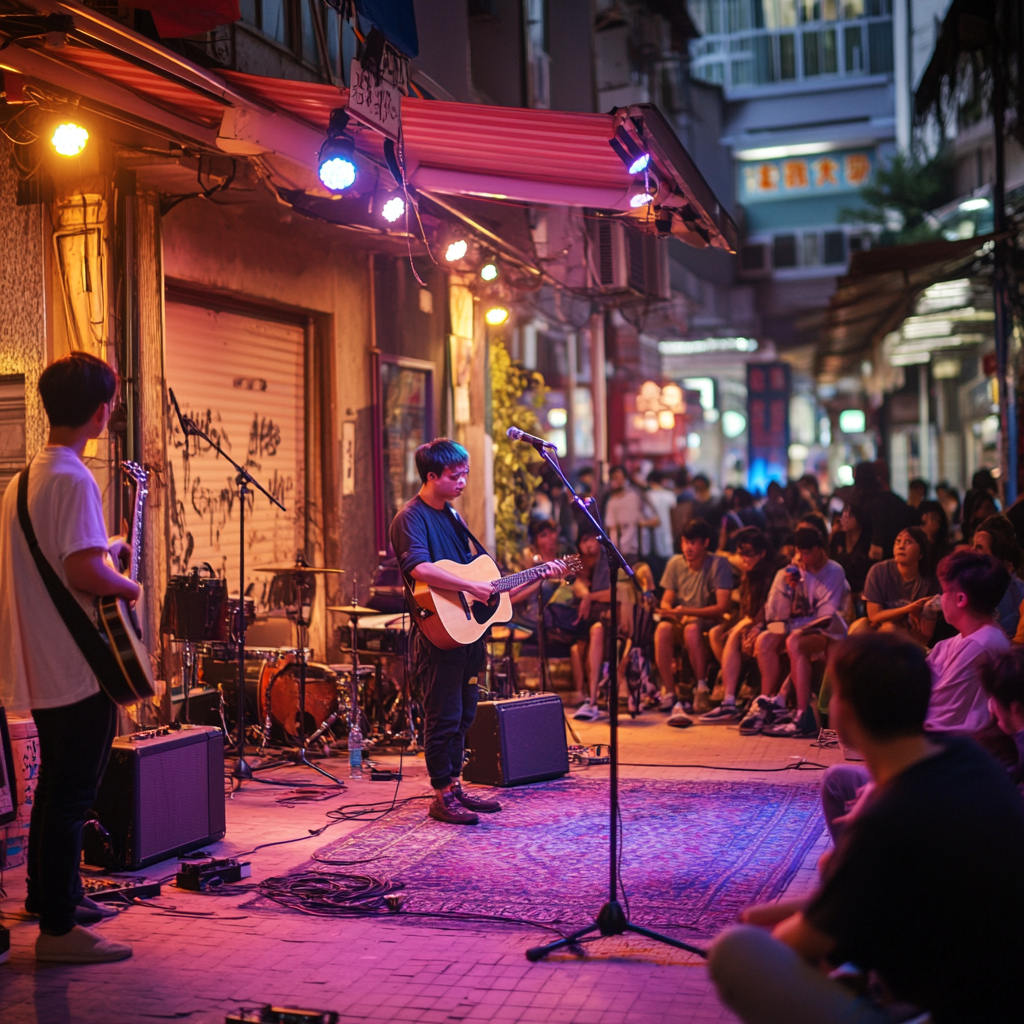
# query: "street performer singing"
426,530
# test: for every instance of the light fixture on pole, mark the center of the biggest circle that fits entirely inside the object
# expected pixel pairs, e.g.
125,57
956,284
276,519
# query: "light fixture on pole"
496,315
336,161
69,139
489,271
456,250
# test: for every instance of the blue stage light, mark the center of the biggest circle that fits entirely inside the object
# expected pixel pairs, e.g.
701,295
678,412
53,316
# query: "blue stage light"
336,163
640,163
338,173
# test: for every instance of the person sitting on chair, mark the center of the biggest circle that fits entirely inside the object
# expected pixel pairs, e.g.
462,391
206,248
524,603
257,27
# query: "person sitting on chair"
889,902
803,613
697,594
592,588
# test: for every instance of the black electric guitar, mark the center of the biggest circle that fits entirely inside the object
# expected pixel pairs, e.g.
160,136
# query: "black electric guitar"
118,621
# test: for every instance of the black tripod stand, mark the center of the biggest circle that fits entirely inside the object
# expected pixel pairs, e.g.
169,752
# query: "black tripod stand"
244,479
611,919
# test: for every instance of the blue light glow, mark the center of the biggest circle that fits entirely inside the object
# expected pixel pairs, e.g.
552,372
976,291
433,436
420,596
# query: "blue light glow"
641,199
640,163
337,173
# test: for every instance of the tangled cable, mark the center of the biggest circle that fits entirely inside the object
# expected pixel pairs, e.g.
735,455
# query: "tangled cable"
331,893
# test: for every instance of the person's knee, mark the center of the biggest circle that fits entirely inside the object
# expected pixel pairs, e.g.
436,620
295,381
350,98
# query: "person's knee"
764,645
734,951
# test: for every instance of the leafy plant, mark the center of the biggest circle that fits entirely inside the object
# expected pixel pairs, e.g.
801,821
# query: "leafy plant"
516,394
900,196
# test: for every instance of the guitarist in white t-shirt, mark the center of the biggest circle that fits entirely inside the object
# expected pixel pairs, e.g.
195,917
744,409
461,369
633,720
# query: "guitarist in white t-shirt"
42,669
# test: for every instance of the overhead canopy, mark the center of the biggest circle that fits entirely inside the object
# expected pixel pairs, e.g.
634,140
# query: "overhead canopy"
879,292
458,149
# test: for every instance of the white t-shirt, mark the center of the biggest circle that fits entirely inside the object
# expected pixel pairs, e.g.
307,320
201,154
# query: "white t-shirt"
662,501
959,702
622,512
40,663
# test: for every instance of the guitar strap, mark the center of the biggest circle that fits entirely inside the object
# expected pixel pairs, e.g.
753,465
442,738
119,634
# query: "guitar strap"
480,549
83,630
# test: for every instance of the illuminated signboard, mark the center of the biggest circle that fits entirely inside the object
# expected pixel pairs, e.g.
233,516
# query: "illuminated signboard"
796,176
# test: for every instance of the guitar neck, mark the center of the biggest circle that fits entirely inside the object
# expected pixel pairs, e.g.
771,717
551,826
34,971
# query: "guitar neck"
519,578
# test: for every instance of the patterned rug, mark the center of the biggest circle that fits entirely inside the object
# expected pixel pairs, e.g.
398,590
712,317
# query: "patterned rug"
694,853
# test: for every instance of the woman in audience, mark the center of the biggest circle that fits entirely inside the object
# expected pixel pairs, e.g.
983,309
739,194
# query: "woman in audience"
897,590
935,523
850,544
735,644
997,537
978,506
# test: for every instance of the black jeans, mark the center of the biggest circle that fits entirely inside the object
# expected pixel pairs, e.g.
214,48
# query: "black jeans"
449,704
74,745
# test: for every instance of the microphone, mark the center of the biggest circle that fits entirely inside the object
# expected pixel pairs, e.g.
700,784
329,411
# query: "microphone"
515,434
181,419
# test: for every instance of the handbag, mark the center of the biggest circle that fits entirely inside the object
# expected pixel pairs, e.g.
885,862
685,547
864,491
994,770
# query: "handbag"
83,630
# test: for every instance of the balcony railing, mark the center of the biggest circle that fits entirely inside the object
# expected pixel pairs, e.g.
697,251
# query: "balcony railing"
863,46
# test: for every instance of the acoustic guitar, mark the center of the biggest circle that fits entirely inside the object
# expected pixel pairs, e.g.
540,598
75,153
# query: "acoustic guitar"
117,619
454,618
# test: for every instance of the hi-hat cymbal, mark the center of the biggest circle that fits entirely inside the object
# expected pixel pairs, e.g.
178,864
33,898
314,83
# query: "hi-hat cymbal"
352,609
297,570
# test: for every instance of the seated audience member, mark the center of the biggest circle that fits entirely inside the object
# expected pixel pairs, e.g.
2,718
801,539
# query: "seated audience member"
897,590
697,593
891,900
935,524
758,566
543,547
592,591
816,521
917,491
776,515
624,514
803,613
949,498
889,512
656,542
997,537
850,544
1003,680
978,506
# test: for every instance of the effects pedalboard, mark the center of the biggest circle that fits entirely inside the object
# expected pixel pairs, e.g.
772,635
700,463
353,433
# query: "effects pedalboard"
589,755
281,1015
201,873
124,890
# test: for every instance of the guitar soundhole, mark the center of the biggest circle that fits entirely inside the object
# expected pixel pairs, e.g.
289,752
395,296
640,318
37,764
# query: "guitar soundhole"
483,612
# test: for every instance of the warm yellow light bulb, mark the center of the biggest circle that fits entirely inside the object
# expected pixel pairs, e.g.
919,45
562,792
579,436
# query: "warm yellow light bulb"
69,139
496,315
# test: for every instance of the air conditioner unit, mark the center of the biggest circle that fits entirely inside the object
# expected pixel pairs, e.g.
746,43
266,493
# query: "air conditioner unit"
608,258
648,265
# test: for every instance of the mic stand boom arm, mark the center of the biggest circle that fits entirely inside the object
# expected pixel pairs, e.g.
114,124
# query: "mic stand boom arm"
612,919
244,480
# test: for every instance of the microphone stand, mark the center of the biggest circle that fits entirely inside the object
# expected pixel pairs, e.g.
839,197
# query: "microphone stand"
244,480
611,919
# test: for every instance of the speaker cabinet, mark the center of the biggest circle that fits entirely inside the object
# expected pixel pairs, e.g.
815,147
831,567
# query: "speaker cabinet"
160,796
517,741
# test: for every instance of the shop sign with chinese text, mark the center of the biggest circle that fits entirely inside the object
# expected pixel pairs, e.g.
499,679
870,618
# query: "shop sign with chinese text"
798,176
375,97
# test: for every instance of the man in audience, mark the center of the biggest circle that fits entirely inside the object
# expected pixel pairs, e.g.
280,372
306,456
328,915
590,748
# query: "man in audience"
697,593
803,613
924,889
656,543
624,514
889,513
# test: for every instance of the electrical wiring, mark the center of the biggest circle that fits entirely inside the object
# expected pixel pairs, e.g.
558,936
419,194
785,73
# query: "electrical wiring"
798,766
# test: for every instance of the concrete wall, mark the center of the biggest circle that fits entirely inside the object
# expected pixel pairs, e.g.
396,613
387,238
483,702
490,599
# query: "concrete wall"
443,29
23,334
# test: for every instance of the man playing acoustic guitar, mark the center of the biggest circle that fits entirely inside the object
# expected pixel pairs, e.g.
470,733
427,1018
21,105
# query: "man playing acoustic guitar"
425,531
42,668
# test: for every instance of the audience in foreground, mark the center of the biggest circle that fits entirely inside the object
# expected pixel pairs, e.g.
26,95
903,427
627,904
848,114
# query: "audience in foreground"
923,894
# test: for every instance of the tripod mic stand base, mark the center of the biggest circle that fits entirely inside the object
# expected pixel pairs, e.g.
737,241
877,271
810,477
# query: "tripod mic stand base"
610,921
242,769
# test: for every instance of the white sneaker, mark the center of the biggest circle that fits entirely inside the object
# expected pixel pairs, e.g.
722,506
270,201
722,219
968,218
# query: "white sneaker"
80,946
587,712
667,701
679,718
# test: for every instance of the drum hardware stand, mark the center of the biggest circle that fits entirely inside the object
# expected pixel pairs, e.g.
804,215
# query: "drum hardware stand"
244,479
612,919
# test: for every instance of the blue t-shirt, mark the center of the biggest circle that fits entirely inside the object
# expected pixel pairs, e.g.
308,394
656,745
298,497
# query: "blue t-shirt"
420,533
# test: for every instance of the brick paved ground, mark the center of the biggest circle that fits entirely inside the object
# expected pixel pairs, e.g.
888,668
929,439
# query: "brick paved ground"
197,968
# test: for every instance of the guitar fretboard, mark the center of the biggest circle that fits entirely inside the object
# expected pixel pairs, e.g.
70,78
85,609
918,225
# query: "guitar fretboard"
518,579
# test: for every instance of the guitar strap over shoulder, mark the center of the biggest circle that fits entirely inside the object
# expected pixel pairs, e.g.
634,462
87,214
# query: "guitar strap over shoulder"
480,549
83,630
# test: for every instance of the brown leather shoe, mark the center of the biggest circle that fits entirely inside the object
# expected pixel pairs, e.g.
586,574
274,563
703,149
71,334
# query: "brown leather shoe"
475,803
448,809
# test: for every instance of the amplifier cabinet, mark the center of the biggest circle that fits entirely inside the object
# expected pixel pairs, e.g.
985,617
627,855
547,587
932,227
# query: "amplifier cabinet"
515,741
160,796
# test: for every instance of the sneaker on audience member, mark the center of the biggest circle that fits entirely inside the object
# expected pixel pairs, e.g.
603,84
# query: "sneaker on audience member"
724,714
679,719
760,713
667,701
804,728
587,712
701,701
718,693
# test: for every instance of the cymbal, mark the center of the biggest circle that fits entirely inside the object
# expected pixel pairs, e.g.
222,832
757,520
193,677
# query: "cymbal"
297,570
352,609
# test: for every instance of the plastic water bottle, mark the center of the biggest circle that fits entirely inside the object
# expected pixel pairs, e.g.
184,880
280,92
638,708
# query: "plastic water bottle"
355,753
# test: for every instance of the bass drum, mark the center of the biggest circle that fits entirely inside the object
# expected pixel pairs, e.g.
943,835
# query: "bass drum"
277,696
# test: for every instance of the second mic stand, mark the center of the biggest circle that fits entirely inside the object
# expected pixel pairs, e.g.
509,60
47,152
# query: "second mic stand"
611,919
243,480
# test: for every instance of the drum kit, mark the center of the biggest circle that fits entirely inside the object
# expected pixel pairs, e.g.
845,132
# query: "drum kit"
296,702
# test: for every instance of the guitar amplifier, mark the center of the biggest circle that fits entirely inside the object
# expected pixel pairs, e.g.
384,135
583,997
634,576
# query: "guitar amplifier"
515,741
162,795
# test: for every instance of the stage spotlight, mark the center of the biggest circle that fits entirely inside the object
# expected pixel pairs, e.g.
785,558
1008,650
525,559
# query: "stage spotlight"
489,271
496,315
69,139
640,163
641,195
336,164
393,209
456,251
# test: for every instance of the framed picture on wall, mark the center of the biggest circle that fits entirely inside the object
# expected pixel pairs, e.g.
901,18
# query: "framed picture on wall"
403,420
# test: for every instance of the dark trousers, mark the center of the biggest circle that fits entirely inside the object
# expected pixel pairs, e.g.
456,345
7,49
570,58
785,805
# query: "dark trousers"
74,745
449,704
